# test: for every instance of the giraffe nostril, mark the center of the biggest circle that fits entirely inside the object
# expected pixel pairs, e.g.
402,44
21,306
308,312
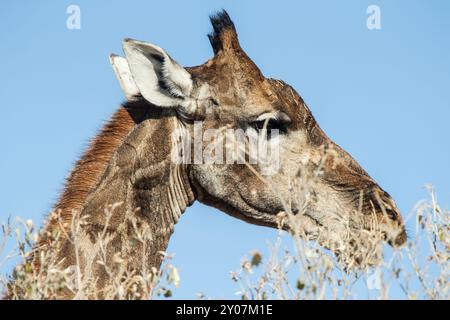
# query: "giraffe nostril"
399,240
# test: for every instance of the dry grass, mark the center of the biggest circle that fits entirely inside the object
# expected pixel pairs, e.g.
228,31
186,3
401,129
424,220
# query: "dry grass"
420,270
29,281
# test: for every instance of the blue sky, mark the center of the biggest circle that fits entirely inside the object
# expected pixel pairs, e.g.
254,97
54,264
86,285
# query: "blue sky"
383,95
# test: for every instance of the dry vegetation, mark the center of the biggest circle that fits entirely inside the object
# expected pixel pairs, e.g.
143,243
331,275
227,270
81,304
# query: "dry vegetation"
28,281
420,270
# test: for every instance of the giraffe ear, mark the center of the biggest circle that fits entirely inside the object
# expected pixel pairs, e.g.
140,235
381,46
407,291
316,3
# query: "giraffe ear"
160,80
123,74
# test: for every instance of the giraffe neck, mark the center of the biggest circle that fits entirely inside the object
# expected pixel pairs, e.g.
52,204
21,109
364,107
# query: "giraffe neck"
128,215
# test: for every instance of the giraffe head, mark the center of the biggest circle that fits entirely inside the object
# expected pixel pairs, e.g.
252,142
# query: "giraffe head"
314,182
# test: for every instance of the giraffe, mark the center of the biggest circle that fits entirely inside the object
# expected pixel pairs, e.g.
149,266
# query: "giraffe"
128,179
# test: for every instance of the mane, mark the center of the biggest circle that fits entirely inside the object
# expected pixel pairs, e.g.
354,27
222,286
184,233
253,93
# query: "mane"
90,167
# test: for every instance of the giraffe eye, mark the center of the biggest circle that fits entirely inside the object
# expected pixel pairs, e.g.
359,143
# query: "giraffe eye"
270,125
